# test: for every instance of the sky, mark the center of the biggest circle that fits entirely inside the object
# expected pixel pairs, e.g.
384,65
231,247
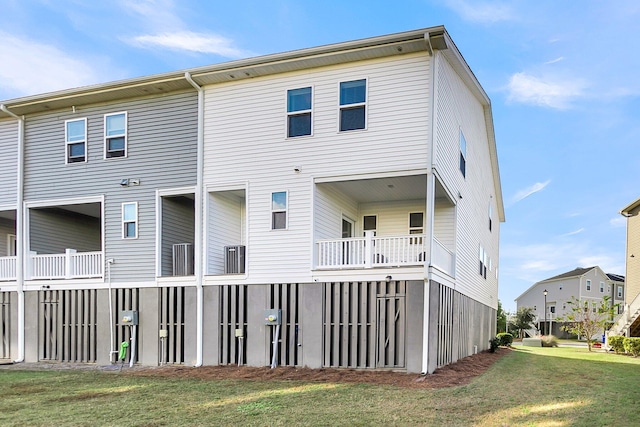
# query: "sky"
563,78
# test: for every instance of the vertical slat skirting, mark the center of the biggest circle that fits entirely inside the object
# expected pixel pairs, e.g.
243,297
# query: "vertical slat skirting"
233,315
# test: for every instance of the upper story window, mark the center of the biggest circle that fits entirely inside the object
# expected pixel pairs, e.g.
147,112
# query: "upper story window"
11,245
115,135
482,255
490,216
353,98
299,112
619,291
76,140
601,287
463,154
279,210
588,285
416,223
130,220
370,223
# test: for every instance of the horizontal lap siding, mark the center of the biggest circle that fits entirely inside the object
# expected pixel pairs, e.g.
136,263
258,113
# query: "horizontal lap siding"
178,226
393,217
245,129
8,162
161,153
52,233
225,228
331,205
6,227
458,109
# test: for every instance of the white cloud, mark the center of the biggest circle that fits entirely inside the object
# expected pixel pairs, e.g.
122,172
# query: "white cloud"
30,67
549,92
573,233
191,42
481,11
553,61
154,14
618,222
526,192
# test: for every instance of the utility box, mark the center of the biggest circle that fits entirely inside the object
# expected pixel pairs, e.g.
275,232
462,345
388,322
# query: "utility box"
129,317
273,317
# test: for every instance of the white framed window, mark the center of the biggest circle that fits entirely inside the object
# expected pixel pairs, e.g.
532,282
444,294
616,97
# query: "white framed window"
490,215
483,258
12,249
416,222
601,287
370,223
130,220
588,284
353,105
463,154
299,109
279,204
75,137
620,292
115,135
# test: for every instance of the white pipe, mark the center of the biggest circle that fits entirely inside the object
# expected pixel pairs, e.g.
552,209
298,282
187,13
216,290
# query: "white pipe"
198,246
132,355
20,235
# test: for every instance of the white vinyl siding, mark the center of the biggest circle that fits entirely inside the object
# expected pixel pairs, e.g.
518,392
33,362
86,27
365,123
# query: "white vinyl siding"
225,226
8,161
398,110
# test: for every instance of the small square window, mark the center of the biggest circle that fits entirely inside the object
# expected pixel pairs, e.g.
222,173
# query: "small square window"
130,220
299,103
370,223
279,210
416,223
115,135
353,96
76,140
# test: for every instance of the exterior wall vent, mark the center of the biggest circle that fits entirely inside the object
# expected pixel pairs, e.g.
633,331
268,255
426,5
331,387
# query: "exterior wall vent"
183,259
234,259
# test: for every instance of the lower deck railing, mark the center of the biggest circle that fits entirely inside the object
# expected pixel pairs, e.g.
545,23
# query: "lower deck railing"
70,265
8,268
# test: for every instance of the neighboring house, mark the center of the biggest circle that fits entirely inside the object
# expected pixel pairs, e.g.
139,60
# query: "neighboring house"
629,323
581,284
353,187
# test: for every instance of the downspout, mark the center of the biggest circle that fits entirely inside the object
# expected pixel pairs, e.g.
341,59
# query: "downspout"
20,234
198,247
430,209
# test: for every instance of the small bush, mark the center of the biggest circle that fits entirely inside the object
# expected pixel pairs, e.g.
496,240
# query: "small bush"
505,339
494,343
549,341
632,345
616,343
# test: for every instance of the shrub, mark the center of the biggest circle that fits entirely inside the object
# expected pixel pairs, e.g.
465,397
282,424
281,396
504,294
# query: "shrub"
505,339
494,343
632,345
616,343
549,341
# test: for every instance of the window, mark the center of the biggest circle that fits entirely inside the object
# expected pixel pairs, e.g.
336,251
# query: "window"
76,140
490,215
619,291
11,245
370,223
463,154
483,262
416,223
299,112
588,285
552,309
601,287
130,220
115,135
353,96
279,210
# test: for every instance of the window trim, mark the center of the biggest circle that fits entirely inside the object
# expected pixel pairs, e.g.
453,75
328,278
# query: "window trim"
421,228
483,258
134,221
620,291
124,135
12,245
463,154
354,105
601,287
285,210
375,230
68,143
588,285
299,112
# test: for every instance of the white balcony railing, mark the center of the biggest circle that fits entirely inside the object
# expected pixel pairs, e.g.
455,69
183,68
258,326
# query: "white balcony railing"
443,258
370,251
8,268
70,265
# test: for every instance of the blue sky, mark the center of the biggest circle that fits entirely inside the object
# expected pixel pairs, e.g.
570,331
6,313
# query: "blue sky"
562,77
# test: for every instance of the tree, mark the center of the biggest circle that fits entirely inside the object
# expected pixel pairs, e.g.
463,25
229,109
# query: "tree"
523,320
587,318
501,318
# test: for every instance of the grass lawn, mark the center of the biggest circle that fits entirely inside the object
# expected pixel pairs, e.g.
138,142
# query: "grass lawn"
565,386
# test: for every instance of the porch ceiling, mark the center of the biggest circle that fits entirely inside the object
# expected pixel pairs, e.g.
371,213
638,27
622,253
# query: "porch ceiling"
384,189
88,209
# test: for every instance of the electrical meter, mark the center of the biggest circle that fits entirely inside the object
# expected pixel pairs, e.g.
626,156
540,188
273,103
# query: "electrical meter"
129,317
273,317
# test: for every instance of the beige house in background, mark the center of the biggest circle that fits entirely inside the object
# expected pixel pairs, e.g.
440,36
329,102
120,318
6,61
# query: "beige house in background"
629,323
590,283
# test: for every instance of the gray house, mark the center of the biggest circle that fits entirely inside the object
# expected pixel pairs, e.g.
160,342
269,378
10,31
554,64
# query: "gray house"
337,206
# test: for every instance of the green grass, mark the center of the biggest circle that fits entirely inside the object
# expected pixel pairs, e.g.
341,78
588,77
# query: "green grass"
530,386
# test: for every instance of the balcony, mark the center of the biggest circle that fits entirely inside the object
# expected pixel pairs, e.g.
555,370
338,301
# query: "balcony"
70,265
8,268
388,251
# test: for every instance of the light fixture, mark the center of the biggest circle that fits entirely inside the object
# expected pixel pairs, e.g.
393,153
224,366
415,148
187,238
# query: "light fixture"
124,182
388,279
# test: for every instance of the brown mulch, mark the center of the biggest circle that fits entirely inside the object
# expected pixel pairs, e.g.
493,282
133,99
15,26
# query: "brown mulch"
459,373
